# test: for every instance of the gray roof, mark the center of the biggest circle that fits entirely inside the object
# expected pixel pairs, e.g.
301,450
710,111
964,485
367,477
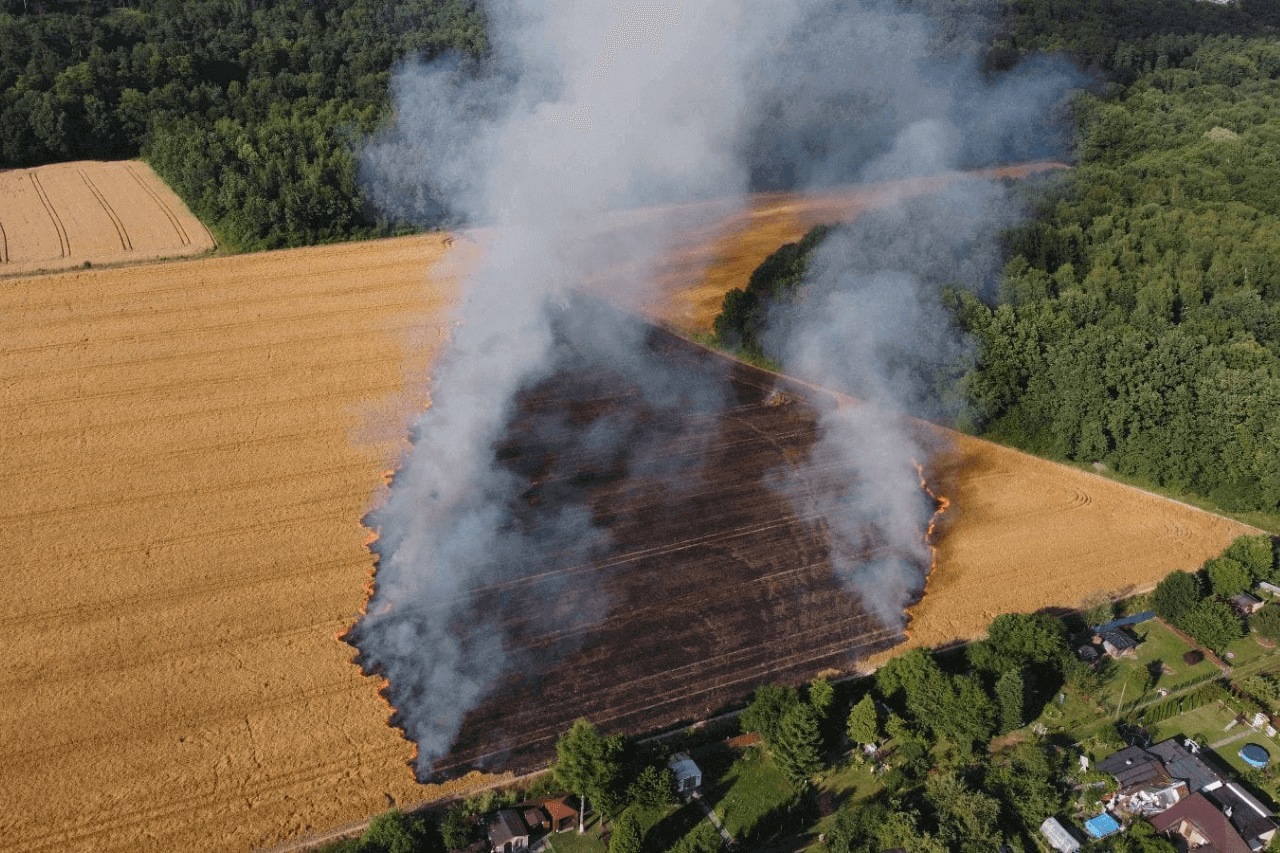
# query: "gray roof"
1181,764
507,826
1250,818
1134,768
1119,638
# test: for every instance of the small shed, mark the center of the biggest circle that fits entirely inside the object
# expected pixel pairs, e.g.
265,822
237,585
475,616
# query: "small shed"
688,776
1246,604
563,814
1119,643
1059,837
1101,826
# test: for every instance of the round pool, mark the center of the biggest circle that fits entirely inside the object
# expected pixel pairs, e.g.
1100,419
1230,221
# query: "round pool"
1254,755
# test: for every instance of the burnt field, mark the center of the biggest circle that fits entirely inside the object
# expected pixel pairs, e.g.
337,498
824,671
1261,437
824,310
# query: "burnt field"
686,578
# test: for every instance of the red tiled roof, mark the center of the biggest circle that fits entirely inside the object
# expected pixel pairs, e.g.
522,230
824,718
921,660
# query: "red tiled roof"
559,809
1214,824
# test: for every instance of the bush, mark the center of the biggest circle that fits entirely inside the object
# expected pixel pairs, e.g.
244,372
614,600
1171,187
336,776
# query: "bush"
1193,657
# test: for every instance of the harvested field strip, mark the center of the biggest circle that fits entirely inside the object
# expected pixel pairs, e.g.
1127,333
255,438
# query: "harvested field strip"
64,243
125,243
147,187
70,214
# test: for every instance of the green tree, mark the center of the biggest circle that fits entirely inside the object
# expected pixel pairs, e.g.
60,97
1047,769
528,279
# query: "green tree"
626,835
393,832
768,706
798,744
864,723
1267,622
456,828
1255,554
1212,623
587,764
653,787
1028,637
1176,594
821,694
1227,577
1010,696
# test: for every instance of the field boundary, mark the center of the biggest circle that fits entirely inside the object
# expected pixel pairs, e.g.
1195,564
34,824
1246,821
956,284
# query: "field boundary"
151,191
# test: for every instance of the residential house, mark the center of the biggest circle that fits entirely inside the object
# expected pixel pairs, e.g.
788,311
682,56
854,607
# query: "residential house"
1200,825
1182,762
688,776
508,832
1135,770
1252,819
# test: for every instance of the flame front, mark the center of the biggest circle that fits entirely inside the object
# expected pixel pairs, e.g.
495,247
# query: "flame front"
941,503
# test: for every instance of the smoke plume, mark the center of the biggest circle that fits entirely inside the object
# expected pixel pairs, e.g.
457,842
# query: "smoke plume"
587,109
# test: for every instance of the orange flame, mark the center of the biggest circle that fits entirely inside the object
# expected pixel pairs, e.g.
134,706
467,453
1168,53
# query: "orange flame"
941,503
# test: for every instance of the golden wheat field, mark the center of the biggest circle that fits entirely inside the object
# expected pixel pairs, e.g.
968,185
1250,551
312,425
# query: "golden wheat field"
186,452
66,214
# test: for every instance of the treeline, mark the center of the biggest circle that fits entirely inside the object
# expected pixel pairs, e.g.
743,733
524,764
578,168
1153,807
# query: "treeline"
1138,323
1200,602
251,110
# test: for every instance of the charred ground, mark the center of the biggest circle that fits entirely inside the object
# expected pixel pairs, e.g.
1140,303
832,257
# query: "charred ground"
687,576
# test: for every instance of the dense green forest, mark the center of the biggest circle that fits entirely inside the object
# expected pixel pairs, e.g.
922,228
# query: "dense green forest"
251,110
1137,323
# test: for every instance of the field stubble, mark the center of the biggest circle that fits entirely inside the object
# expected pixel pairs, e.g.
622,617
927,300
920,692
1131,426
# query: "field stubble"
188,450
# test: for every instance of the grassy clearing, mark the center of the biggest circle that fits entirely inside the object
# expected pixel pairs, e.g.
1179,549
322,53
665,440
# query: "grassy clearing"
1158,644
753,789
1244,653
572,842
1205,724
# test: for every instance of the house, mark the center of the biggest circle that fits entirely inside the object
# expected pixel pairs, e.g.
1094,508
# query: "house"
1246,604
1250,818
1118,643
1135,770
1059,837
1181,762
563,815
507,832
534,818
1269,587
1199,824
688,776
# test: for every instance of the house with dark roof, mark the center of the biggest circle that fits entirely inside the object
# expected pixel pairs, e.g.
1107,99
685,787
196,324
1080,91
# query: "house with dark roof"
1135,770
1252,819
1182,762
508,832
1118,643
1200,825
1245,604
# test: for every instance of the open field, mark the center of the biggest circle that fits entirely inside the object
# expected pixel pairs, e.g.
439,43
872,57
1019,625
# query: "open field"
66,214
186,452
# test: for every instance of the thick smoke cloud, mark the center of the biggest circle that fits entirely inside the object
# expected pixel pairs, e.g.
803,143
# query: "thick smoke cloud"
586,109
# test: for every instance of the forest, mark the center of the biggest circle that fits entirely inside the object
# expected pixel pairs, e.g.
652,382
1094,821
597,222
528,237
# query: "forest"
1136,325
251,110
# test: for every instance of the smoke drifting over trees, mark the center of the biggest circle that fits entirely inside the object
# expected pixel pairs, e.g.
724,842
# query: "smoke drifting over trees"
589,109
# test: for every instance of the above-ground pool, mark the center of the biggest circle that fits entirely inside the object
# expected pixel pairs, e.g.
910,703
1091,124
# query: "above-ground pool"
1254,755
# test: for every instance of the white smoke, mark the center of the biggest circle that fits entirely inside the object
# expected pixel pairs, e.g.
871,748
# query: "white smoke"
585,109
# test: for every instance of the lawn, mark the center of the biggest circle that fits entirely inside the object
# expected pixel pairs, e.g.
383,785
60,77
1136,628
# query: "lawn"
1158,644
572,842
1205,724
753,788
1244,652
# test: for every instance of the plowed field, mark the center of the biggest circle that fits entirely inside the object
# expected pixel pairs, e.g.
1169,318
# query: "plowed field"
60,216
186,452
